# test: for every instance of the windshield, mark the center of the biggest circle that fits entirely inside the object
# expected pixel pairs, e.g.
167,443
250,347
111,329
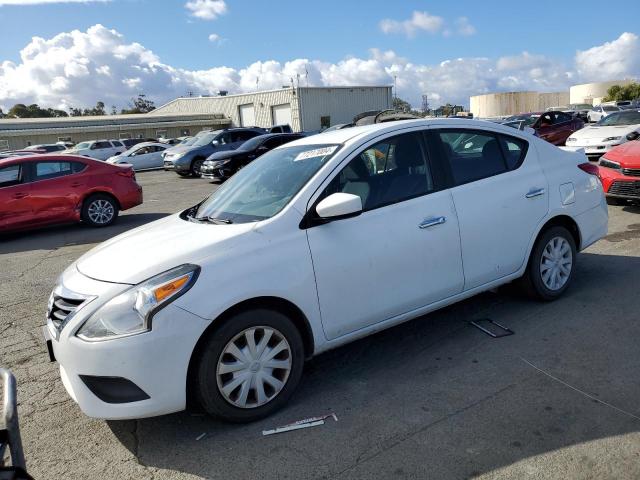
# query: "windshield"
621,118
610,109
527,119
188,141
263,188
82,145
205,139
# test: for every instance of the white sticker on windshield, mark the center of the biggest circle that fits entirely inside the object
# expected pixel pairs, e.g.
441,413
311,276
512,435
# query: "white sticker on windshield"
318,152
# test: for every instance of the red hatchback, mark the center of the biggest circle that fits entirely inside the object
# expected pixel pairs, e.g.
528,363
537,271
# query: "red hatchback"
46,189
620,171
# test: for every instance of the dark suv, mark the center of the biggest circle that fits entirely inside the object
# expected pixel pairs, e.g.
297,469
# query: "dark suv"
221,165
187,160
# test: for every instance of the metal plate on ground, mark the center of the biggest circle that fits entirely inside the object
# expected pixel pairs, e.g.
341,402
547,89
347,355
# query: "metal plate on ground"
491,328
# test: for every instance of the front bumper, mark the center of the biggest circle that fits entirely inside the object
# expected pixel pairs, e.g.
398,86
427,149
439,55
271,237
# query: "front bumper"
156,362
215,172
593,150
618,185
181,164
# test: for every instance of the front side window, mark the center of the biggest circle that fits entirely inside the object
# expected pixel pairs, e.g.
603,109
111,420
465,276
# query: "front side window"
11,175
621,118
388,172
100,145
472,155
47,170
265,186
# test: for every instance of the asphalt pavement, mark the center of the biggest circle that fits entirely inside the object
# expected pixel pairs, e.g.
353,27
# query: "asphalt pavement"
432,398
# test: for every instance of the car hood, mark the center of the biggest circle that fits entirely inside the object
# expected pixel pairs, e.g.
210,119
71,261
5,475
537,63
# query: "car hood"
604,132
627,154
177,149
216,156
146,251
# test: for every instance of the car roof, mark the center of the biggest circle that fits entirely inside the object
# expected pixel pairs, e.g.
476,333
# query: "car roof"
365,132
148,144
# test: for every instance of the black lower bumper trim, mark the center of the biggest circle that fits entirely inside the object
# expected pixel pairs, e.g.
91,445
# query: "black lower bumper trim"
114,389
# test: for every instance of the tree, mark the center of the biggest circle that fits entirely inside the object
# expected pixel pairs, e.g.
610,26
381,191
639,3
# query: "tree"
618,93
20,110
401,105
139,105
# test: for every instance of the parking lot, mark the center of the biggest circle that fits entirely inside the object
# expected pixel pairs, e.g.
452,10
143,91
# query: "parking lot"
432,398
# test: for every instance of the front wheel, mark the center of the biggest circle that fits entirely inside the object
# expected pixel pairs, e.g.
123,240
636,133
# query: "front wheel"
551,264
250,366
99,210
196,166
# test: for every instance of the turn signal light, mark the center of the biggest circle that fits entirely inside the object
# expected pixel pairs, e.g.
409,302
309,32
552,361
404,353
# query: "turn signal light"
170,288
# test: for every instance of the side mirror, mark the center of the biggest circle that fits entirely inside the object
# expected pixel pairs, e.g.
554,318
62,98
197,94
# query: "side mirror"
215,142
339,205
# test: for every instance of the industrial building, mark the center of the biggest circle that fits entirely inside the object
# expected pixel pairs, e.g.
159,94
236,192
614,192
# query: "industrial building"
304,108
510,103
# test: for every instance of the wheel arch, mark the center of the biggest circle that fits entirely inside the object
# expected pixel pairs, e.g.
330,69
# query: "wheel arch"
277,304
100,192
559,221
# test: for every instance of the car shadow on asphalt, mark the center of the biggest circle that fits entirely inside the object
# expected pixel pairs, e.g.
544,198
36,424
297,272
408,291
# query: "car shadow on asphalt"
435,397
52,238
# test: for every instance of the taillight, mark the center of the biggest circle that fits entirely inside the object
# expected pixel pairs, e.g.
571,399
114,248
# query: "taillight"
129,173
590,168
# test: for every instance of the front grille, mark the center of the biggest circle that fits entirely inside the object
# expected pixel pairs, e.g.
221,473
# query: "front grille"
627,189
631,172
61,307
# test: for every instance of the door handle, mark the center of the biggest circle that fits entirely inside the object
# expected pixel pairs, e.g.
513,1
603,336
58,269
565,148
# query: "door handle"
431,222
76,184
20,195
536,192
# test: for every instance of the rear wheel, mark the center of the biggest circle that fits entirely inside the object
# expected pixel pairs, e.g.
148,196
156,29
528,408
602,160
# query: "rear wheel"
551,265
184,174
250,366
99,210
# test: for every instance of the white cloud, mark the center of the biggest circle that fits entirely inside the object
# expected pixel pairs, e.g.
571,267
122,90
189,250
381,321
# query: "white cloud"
419,21
612,61
42,2
214,37
464,27
206,9
78,68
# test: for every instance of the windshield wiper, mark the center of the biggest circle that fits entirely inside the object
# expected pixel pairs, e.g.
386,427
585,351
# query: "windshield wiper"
213,220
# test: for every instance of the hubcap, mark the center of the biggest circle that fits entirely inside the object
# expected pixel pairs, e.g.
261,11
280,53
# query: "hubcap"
556,263
254,367
100,211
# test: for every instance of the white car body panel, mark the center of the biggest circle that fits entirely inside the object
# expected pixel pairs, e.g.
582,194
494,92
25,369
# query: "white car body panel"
592,138
98,153
333,272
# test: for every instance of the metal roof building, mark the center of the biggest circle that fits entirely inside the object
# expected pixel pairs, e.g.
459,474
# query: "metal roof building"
304,108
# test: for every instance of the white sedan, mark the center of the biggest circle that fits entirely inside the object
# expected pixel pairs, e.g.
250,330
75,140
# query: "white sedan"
612,130
318,242
601,111
142,156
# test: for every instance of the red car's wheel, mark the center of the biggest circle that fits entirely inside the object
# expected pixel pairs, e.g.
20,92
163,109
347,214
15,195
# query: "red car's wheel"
99,210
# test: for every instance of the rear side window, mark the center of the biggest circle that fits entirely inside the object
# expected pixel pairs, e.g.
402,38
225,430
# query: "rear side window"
47,170
117,144
99,145
11,175
77,167
515,150
243,136
472,155
388,172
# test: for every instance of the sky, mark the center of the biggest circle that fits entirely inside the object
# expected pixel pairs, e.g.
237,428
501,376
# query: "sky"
72,53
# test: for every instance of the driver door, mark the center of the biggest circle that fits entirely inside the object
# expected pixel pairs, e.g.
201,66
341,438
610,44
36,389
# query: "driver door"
401,253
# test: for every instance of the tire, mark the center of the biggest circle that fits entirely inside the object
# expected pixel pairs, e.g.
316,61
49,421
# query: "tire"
99,210
195,167
220,392
615,201
184,174
557,247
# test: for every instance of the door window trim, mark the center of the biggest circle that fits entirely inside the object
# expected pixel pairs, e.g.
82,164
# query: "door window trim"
22,177
31,170
310,218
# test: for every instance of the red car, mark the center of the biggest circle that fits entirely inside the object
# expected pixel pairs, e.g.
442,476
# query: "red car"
620,172
554,127
46,189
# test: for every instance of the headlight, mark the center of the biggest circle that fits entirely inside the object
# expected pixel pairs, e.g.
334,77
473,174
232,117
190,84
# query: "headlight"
609,164
220,163
131,312
611,139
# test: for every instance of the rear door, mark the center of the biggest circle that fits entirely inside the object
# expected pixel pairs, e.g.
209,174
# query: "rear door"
500,195
102,150
563,123
15,202
56,189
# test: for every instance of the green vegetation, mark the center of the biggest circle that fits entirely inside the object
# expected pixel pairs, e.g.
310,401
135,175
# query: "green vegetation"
623,92
20,110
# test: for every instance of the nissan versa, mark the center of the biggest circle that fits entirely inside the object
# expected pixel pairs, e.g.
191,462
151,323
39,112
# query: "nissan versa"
317,243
